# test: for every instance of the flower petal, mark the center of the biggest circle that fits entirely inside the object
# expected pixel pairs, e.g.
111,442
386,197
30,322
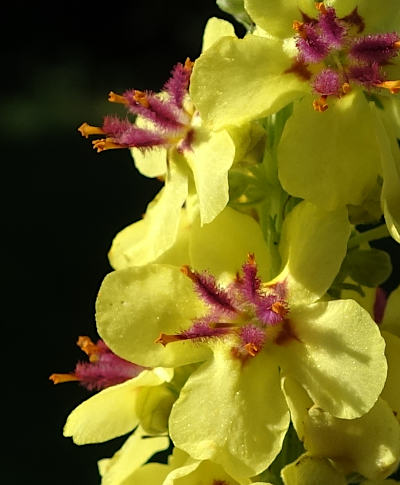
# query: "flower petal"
369,445
109,413
119,469
201,473
223,246
222,415
379,18
337,161
124,253
216,29
338,357
390,161
277,18
237,80
391,317
136,304
210,158
311,470
299,403
157,232
391,391
313,245
150,163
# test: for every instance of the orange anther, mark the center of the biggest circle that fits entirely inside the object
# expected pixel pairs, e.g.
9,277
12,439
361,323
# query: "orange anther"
86,130
188,64
392,86
90,348
141,98
105,144
185,269
252,349
279,308
297,26
59,378
116,98
346,88
251,259
165,339
320,6
320,104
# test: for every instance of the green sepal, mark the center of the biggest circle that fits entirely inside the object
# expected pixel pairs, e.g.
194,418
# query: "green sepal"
236,9
368,267
247,185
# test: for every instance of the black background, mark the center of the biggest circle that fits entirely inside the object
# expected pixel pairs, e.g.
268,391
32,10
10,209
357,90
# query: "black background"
62,203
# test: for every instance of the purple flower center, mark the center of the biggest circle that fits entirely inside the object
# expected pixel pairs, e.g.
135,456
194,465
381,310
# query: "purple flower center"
246,311
341,56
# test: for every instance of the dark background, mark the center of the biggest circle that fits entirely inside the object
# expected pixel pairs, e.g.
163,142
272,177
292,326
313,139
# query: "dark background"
63,203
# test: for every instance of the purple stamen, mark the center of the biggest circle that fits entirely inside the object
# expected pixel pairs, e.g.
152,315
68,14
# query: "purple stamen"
115,127
311,45
209,291
375,48
140,138
265,310
178,83
203,329
367,75
168,116
104,368
332,31
124,133
163,114
108,371
327,82
250,283
253,335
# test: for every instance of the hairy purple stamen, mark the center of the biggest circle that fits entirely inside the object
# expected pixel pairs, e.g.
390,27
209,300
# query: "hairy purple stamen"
104,368
250,283
327,82
178,83
332,31
312,47
253,335
375,48
209,291
203,329
107,371
367,76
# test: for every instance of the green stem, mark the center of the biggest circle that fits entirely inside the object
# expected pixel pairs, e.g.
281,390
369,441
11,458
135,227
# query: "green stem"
370,235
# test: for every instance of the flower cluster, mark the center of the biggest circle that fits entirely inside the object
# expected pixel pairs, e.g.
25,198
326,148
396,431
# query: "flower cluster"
244,326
